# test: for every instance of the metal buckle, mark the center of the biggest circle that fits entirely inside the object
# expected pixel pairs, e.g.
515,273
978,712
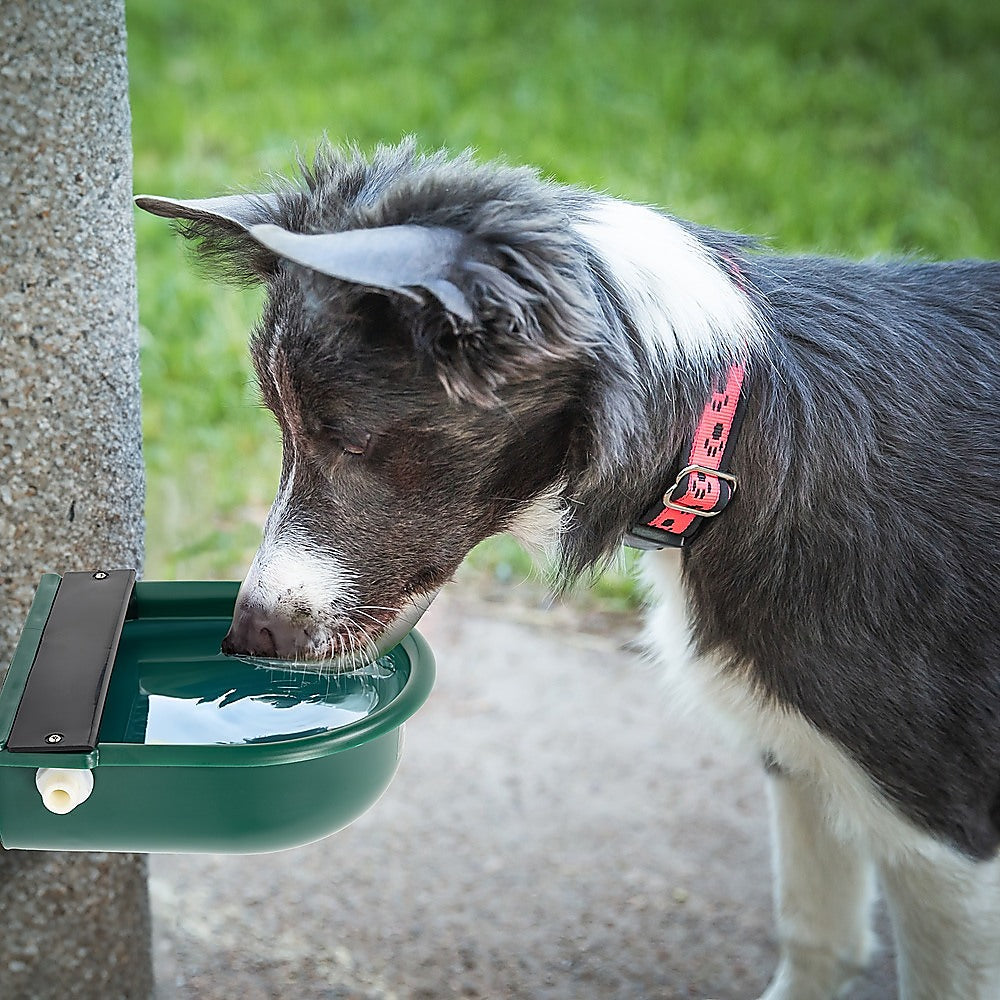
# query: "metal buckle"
729,478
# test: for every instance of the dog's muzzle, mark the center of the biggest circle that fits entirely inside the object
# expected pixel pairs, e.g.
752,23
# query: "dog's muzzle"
260,632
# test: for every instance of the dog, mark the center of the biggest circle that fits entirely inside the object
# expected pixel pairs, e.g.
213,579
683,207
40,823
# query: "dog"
809,448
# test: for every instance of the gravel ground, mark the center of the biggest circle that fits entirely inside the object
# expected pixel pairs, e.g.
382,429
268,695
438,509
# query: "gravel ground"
554,832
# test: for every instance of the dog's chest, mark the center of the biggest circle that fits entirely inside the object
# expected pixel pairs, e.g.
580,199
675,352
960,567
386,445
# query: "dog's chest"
728,701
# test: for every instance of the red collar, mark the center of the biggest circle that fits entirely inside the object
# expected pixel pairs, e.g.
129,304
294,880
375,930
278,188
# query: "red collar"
704,486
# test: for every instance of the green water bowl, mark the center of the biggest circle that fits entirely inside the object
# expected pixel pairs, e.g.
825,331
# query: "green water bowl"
124,728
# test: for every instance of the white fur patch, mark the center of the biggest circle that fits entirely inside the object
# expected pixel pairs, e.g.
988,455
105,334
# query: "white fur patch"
539,524
287,574
683,305
272,523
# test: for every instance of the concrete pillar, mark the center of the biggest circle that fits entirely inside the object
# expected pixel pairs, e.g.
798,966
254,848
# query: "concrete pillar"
71,476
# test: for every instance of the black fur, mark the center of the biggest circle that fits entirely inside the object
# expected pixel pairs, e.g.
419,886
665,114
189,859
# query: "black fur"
855,570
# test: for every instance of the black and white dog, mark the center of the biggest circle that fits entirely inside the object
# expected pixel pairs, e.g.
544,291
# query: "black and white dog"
454,350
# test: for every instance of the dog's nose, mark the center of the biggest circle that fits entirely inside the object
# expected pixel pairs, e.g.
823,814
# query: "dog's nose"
257,633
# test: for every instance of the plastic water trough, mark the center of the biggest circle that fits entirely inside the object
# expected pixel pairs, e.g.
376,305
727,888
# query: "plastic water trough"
123,728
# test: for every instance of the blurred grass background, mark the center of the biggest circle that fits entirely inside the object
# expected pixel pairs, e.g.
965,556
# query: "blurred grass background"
854,129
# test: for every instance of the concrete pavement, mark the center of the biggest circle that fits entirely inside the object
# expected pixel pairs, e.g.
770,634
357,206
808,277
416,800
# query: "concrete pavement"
554,832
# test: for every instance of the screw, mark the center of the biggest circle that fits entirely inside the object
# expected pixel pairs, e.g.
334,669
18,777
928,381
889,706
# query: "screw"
101,575
54,738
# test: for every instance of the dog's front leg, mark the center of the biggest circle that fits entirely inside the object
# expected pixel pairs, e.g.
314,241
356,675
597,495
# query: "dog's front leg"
823,894
946,915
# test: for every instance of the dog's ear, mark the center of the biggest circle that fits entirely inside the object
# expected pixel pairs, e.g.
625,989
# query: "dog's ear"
506,307
240,211
221,226
403,259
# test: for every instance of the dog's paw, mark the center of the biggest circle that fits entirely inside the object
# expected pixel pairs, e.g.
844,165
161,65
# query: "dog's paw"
809,971
804,991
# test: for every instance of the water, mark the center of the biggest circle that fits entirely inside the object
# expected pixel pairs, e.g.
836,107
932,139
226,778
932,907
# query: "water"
290,704
173,687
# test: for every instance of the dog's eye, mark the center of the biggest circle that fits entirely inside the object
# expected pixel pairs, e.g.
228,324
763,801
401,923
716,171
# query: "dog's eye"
357,446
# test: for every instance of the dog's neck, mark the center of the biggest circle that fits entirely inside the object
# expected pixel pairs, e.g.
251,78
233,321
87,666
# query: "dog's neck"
678,310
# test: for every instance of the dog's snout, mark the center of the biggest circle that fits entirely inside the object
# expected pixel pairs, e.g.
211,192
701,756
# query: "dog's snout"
256,633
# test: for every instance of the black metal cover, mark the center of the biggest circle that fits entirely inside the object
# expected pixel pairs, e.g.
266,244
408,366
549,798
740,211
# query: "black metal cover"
63,699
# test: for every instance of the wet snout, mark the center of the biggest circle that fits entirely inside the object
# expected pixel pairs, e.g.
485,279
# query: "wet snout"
255,632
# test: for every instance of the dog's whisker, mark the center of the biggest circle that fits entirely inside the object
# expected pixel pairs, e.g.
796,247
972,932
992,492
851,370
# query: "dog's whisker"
366,642
378,621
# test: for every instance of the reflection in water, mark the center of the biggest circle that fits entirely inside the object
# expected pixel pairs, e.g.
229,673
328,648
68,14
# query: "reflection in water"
172,686
266,704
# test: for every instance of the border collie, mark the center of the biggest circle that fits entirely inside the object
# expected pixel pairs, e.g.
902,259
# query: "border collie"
453,349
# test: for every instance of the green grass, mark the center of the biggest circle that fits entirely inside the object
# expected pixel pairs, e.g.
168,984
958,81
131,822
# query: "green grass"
847,128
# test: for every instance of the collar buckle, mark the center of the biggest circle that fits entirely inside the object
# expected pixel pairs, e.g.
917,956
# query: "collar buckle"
705,471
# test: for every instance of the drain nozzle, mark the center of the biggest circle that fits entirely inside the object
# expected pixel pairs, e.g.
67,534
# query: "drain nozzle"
62,789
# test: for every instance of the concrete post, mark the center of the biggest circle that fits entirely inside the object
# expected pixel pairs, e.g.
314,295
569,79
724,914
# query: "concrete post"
71,476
